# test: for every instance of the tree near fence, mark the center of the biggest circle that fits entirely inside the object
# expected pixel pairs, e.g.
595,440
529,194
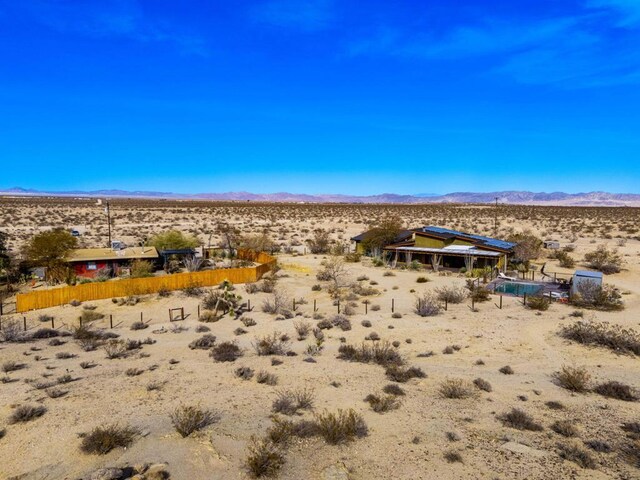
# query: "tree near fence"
173,240
382,234
49,249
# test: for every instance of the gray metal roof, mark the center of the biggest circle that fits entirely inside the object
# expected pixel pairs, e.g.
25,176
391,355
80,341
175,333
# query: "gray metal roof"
588,273
476,252
488,241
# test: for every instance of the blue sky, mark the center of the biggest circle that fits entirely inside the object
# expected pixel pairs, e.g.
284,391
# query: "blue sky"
320,96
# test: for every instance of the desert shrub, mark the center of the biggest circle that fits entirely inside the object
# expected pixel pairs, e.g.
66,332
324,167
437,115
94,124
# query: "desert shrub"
597,297
477,292
164,292
565,260
289,402
55,392
427,305
324,324
554,405
64,355
115,348
395,315
341,426
422,280
26,413
226,352
617,390
265,459
375,308
202,329
266,378
539,303
393,389
452,456
133,372
248,321
381,353
193,290
205,342
45,333
279,302
240,331
11,366
396,373
365,323
139,325
88,316
451,294
382,403
141,268
603,334
101,440
12,331
66,378
303,329
506,370
341,322
373,336
482,384
575,453
566,428
604,260
520,420
274,344
575,379
316,288
187,419
245,373
599,446
456,388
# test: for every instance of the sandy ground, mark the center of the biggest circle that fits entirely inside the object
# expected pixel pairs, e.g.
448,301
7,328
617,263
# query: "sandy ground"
407,443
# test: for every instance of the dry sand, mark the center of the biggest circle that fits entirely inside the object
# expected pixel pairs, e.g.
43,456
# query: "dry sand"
407,443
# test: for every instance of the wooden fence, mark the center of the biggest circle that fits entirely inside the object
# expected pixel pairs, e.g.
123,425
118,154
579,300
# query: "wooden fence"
142,286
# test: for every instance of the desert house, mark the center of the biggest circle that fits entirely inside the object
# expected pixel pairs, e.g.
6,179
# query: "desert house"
445,248
115,261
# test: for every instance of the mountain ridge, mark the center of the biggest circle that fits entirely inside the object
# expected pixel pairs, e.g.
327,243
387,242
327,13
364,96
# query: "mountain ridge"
518,197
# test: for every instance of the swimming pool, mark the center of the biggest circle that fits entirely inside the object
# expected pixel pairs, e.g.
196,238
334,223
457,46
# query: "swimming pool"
519,289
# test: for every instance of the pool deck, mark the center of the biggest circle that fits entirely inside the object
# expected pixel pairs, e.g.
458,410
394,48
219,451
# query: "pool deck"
547,287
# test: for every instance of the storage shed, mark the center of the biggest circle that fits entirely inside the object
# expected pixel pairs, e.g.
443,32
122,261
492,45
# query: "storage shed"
583,276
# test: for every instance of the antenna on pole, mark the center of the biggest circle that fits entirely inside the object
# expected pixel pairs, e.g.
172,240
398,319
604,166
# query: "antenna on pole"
108,210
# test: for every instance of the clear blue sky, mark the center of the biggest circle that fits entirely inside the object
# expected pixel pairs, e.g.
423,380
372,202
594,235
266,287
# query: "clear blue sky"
320,96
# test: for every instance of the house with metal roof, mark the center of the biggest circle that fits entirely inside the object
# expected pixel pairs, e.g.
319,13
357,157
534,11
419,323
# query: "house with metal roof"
446,248
91,262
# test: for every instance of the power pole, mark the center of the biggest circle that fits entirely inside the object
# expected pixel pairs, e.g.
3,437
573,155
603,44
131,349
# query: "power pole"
495,220
109,222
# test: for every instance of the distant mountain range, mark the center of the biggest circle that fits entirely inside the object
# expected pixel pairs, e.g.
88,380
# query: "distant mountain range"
510,197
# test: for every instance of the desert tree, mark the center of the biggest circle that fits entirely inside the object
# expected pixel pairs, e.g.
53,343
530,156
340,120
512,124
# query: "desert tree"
528,246
173,240
319,243
604,260
258,243
229,236
48,249
382,234
335,272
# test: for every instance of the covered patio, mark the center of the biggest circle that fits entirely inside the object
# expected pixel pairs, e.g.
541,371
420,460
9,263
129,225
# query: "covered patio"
450,257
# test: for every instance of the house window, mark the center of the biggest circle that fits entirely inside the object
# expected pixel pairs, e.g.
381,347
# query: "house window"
92,266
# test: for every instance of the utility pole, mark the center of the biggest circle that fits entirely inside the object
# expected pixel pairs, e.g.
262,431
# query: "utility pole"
108,210
495,220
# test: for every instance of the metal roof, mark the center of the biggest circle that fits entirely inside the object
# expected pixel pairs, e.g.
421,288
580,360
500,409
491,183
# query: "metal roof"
98,254
487,241
476,252
588,273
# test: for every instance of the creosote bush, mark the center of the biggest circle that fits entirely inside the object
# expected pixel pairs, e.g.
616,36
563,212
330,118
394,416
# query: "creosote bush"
482,385
187,419
617,390
575,379
456,388
289,402
566,428
265,458
382,403
341,426
26,413
101,440
381,353
575,453
397,373
539,303
274,344
226,352
603,334
520,420
205,342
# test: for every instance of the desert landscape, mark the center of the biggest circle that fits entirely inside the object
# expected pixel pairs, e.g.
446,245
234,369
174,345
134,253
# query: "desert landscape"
333,371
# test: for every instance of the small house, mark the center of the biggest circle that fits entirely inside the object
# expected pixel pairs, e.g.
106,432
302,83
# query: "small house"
93,262
584,277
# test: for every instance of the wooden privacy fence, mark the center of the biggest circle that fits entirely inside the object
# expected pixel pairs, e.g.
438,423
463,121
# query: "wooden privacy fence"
147,285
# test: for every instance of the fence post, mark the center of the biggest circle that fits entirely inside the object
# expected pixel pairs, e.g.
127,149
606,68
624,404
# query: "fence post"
446,304
524,298
500,302
294,304
366,308
52,320
249,304
338,307
80,318
393,305
1,304
110,320
198,311
141,317
24,320
473,303
314,306
170,316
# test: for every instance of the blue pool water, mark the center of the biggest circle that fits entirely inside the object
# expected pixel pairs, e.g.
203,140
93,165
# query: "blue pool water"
518,288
